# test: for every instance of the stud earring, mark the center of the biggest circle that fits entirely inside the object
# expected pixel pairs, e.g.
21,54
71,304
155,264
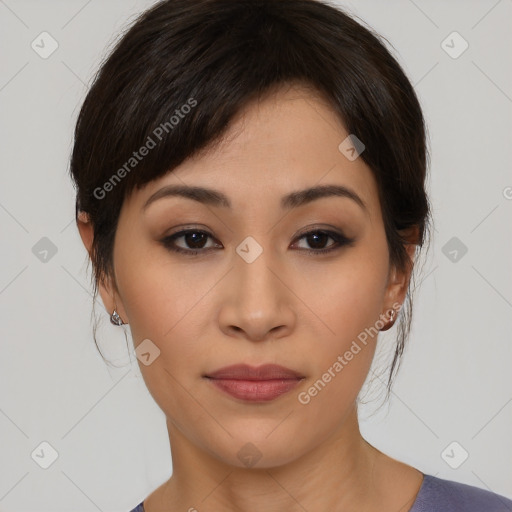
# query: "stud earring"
391,321
115,318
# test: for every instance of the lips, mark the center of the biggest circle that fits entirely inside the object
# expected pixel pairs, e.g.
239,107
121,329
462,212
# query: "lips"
255,384
263,372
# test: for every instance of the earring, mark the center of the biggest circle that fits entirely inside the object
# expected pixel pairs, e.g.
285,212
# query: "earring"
115,318
391,321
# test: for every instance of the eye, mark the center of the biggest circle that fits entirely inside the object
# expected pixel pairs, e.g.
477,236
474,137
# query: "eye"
318,238
193,238
195,241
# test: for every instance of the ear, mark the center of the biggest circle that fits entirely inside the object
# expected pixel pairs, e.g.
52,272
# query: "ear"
398,280
106,288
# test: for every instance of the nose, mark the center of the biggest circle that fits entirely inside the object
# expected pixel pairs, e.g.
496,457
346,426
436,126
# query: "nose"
257,301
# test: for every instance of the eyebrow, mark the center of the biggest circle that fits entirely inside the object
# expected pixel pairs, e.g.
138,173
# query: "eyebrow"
213,197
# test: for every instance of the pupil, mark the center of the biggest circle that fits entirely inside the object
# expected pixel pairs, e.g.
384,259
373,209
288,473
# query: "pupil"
194,240
322,237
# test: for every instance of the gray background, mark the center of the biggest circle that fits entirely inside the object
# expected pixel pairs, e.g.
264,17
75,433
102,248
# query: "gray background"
455,383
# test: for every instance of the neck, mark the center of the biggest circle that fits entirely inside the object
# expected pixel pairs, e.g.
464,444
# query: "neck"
336,474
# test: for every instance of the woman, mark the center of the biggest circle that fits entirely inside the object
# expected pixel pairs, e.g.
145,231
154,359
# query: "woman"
251,190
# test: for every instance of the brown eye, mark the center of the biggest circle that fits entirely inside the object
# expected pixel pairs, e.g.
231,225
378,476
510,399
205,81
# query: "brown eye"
194,242
317,240
193,239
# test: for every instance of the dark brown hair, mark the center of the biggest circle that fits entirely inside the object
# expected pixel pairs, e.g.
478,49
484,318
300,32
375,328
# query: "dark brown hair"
185,68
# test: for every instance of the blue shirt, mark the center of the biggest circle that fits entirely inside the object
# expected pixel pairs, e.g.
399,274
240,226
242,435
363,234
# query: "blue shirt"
439,495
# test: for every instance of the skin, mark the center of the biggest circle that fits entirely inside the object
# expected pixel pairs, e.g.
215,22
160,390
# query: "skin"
287,307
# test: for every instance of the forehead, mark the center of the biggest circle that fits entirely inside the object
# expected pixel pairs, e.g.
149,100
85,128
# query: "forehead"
285,142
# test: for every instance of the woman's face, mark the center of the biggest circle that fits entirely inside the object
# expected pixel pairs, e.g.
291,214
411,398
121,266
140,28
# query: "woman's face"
258,291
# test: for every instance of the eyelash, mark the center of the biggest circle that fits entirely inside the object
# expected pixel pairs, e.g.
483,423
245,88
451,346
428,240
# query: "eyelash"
340,241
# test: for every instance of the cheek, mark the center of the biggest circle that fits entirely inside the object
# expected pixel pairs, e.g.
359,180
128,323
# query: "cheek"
348,299
156,294
164,310
347,295
342,358
156,304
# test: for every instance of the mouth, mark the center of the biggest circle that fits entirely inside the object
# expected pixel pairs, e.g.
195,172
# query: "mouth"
255,384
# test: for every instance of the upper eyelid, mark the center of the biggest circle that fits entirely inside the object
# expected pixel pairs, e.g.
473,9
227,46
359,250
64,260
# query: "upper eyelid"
306,231
336,236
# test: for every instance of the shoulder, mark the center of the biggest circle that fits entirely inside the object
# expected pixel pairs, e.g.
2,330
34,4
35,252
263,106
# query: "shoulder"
452,496
439,494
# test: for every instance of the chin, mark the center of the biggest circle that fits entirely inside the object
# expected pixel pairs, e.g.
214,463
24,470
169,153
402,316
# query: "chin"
257,450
